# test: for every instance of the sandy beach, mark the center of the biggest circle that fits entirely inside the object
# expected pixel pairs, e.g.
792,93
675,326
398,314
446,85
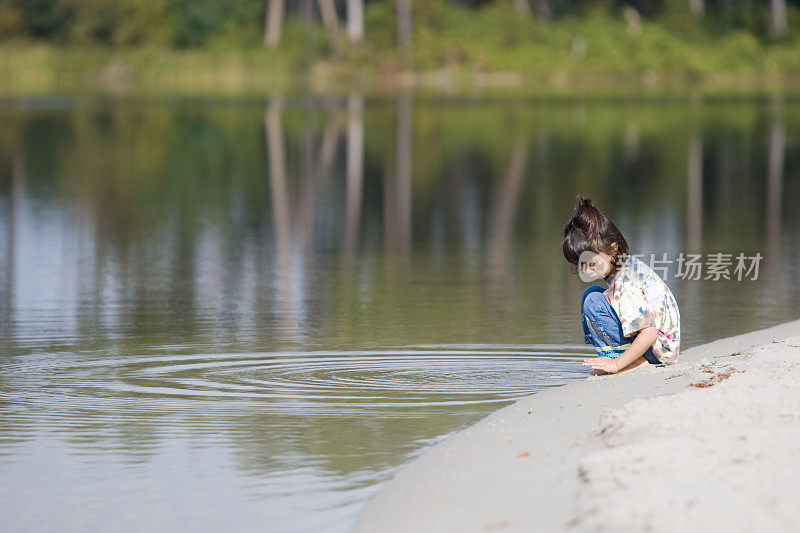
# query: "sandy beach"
711,443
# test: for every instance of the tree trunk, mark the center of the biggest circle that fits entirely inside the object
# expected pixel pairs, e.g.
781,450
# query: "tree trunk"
306,9
328,10
355,20
403,24
697,7
543,9
522,7
273,23
777,18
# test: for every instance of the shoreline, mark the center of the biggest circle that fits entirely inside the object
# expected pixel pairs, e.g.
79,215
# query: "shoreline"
41,70
545,461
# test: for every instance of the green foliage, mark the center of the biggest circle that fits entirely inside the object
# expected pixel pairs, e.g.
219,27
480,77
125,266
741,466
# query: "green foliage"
197,23
115,22
588,37
43,18
11,22
193,23
379,24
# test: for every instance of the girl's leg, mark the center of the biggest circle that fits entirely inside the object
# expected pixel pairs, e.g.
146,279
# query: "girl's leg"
651,358
603,329
587,334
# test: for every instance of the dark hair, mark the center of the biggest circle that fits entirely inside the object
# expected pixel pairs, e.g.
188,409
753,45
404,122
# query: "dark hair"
589,229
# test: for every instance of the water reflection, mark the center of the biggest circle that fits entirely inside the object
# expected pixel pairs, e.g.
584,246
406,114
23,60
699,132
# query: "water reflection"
306,431
776,148
273,304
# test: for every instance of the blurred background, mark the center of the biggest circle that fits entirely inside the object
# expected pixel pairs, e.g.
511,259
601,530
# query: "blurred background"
255,256
379,46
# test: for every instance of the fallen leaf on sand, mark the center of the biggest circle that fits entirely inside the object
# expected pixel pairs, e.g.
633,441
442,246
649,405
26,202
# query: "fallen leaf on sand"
716,378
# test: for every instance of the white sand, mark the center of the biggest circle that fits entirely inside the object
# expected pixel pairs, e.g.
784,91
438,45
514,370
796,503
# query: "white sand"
637,451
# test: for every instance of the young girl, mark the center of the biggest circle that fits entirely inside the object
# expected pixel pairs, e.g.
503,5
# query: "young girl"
636,320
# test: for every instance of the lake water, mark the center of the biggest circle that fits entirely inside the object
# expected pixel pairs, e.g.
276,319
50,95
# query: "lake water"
245,315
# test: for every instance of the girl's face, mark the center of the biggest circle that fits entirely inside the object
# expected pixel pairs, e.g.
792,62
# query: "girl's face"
593,266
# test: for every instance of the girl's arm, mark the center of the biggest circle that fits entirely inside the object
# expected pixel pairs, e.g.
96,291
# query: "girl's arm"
644,340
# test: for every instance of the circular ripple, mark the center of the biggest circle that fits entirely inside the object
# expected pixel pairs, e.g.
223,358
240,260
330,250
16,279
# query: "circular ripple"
311,382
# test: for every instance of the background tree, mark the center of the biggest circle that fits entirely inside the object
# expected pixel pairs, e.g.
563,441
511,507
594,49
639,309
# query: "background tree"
778,24
522,7
404,23
543,9
273,24
330,19
355,20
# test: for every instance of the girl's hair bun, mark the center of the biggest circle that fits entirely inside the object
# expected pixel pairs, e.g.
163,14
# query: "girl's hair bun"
583,202
589,229
586,216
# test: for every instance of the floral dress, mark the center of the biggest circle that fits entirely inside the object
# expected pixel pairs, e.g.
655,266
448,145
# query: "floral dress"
641,299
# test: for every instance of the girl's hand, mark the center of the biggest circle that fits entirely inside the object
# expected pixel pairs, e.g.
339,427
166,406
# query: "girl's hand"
606,364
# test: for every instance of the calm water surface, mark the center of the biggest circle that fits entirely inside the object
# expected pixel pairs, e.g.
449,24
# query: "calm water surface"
245,315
